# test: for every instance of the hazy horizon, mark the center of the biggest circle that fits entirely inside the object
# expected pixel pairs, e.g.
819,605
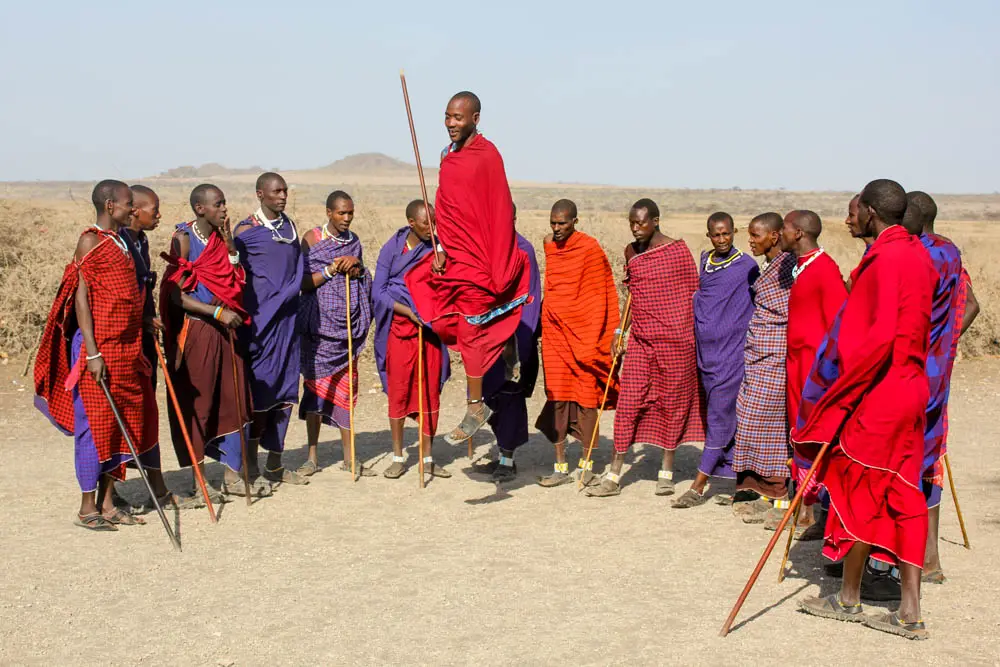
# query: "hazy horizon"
719,95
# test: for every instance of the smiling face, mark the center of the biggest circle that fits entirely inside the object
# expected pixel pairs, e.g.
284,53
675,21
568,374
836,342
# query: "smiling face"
273,194
720,233
341,215
147,211
643,227
419,223
460,120
562,225
762,238
212,208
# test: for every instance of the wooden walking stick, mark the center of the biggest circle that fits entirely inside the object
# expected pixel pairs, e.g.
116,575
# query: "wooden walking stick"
420,401
954,496
350,377
420,167
239,407
138,464
774,540
788,544
184,432
607,385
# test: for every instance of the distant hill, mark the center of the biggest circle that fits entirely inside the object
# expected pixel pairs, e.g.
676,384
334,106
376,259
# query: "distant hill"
369,163
205,170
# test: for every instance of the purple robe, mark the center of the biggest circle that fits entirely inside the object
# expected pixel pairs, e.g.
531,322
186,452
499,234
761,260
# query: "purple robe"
323,311
508,399
271,296
389,288
723,306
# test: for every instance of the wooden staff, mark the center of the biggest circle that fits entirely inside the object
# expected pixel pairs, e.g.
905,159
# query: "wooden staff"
774,540
954,496
607,385
184,432
420,401
420,168
788,544
138,464
350,376
239,407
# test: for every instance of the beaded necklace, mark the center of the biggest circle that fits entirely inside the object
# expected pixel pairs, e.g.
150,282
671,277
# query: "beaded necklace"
713,266
797,271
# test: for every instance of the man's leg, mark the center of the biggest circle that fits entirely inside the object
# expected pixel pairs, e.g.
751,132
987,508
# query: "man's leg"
313,423
854,569
932,557
398,467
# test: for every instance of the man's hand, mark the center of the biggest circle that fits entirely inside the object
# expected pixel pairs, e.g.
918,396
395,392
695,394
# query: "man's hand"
97,369
412,316
440,263
152,324
230,319
350,265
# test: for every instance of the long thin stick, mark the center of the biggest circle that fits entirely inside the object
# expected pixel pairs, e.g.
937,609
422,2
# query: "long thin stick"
774,540
420,167
958,509
607,386
31,354
420,401
138,464
350,376
239,407
788,544
184,432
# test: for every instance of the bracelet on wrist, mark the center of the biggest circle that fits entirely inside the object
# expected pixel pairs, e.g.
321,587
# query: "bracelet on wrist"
234,258
218,311
91,357
326,273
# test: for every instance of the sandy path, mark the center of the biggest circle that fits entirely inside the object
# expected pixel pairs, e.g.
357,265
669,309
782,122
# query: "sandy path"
380,572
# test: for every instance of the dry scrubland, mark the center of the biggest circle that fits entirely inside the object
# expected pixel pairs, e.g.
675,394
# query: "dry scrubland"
40,224
462,572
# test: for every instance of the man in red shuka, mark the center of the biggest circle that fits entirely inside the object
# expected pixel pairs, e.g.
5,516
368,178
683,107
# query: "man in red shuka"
471,291
873,415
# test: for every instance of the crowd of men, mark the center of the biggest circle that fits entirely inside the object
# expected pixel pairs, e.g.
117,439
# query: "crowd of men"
763,362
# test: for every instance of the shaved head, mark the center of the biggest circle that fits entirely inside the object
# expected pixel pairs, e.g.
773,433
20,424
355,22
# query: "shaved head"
921,212
415,207
806,221
105,191
887,198
720,216
201,193
475,106
566,207
652,210
143,190
265,178
332,198
771,221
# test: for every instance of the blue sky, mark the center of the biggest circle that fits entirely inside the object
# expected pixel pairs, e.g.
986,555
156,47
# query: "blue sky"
799,95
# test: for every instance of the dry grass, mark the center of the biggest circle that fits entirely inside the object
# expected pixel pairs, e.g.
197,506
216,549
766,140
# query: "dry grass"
40,233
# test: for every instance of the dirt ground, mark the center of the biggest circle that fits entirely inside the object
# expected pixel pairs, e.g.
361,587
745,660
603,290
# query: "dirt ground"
378,571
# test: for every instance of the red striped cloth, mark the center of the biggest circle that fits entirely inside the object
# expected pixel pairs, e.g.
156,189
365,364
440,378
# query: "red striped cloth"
579,318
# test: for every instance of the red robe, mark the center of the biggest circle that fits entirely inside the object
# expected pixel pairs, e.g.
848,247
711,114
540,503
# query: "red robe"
814,300
874,411
486,269
116,306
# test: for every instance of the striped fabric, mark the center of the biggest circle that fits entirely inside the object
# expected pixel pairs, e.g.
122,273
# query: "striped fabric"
761,416
579,318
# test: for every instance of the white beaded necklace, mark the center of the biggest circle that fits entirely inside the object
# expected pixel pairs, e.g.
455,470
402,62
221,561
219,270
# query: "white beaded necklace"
797,271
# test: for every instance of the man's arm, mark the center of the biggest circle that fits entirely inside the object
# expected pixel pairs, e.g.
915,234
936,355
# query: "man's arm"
84,318
181,246
971,309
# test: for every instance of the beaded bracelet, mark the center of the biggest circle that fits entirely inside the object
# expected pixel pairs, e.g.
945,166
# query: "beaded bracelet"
326,273
218,311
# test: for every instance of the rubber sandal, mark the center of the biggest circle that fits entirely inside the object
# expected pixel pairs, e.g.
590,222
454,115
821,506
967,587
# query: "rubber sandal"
395,471
437,470
664,487
891,622
934,577
469,426
285,476
122,518
308,469
94,522
831,607
554,480
691,498
605,489
363,470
